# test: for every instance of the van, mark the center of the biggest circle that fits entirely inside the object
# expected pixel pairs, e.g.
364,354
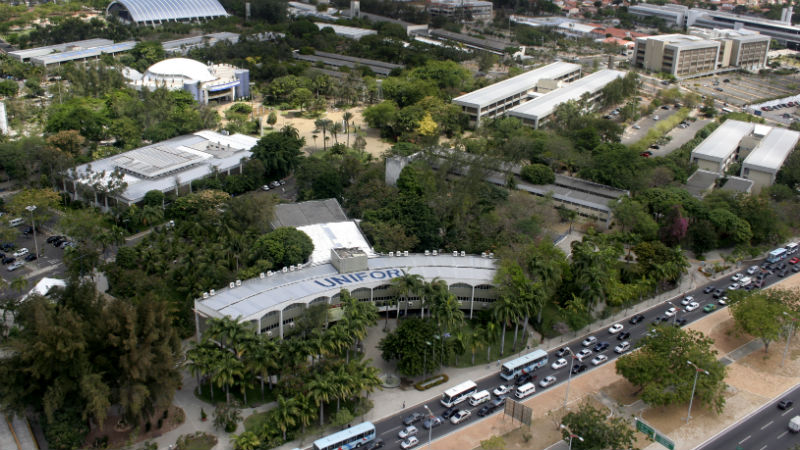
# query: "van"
792,248
745,281
15,222
525,390
479,398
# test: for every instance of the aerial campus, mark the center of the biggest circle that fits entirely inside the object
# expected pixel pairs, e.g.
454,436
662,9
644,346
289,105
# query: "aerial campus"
450,224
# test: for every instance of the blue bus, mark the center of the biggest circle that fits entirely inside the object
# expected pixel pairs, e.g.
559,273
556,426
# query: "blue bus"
348,439
777,255
524,364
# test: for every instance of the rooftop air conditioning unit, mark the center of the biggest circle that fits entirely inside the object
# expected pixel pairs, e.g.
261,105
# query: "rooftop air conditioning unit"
269,332
427,252
261,275
205,294
291,268
212,292
269,273
232,285
285,269
463,253
391,253
435,252
491,255
455,252
483,255
405,252
238,282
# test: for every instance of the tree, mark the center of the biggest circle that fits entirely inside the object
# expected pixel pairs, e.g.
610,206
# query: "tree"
410,345
760,315
301,97
286,411
68,141
597,429
272,118
283,247
404,286
279,151
661,370
247,441
8,88
538,174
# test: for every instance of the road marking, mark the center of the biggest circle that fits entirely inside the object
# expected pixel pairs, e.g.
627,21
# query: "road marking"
770,423
742,441
762,448
788,411
782,434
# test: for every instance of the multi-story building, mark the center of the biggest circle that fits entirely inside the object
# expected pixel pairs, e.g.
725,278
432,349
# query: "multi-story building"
464,10
703,52
765,160
721,148
494,100
537,112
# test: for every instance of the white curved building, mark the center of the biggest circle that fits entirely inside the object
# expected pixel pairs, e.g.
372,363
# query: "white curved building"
204,82
153,12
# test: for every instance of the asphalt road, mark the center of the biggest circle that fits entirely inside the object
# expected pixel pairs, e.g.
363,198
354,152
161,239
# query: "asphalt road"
388,428
767,429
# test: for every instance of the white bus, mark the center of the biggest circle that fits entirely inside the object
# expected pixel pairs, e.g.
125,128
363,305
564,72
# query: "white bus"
355,436
777,255
458,394
524,364
791,248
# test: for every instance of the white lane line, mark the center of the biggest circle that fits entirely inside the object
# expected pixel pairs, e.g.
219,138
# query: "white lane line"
787,411
770,423
782,434
762,448
742,441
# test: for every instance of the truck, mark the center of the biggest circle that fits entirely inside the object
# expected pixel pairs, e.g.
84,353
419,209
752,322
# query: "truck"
794,424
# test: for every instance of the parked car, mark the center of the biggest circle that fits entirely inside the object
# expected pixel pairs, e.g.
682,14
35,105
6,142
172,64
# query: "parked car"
524,378
733,286
636,319
563,351
600,347
15,265
9,260
51,239
718,293
671,311
460,416
794,260
680,322
578,368
449,412
709,289
583,354
723,301
589,341
559,363
686,300
21,252
750,270
785,403
432,422
547,381
30,257
736,277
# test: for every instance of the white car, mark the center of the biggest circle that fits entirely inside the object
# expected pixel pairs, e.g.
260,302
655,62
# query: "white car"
589,341
733,287
723,301
410,442
15,265
408,431
671,312
501,390
460,416
622,347
583,354
752,269
686,300
616,328
599,359
692,306
737,277
547,381
21,252
559,363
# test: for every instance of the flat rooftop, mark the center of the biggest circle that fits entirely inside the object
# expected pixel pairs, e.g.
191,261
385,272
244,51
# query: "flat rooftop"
719,145
308,213
701,182
327,236
342,30
515,85
772,151
24,55
737,184
546,104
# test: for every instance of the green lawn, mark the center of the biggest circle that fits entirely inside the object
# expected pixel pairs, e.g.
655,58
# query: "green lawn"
255,421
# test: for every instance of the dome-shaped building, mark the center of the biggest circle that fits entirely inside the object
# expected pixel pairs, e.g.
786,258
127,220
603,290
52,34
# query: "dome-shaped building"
204,82
153,12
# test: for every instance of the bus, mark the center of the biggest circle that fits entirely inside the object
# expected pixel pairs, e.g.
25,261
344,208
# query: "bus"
348,439
458,394
791,248
776,255
523,364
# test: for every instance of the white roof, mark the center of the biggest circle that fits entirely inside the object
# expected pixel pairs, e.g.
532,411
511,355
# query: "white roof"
349,32
577,27
719,145
44,285
515,85
546,104
772,151
180,67
327,236
257,297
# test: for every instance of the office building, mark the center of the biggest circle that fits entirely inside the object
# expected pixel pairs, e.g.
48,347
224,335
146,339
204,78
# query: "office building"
463,10
537,112
765,160
721,148
494,100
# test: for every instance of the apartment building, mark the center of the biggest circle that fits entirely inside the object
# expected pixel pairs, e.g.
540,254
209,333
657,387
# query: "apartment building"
464,10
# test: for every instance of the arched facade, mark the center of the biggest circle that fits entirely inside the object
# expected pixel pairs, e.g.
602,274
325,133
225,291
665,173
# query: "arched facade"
153,12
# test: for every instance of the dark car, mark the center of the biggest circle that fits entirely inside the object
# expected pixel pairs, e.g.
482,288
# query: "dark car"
636,319
783,273
563,351
624,336
785,403
449,412
525,378
708,289
432,422
796,268
7,247
781,266
658,320
52,239
27,230
376,444
30,257
578,369
413,418
600,346
718,293
485,409
57,243
9,260
680,322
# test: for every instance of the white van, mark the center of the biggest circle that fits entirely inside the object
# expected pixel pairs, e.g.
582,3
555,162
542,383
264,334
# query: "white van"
15,222
792,248
525,390
479,397
745,281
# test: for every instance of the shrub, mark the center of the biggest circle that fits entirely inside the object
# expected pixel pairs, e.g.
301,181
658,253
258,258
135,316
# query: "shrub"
431,382
538,174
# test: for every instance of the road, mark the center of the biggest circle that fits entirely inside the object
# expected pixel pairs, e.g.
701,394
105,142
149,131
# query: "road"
388,428
766,429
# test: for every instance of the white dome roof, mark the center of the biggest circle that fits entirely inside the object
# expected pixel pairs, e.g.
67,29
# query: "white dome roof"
180,67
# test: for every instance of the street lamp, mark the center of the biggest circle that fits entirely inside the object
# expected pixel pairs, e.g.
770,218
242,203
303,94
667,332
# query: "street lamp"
697,371
430,429
789,335
571,435
425,361
569,377
31,209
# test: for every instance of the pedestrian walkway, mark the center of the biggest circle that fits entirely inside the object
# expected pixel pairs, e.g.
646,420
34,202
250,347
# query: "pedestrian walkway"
16,434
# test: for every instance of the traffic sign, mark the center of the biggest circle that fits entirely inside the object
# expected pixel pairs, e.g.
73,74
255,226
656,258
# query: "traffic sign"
645,428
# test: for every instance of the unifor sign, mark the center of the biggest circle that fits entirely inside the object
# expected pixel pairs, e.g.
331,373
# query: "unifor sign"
359,277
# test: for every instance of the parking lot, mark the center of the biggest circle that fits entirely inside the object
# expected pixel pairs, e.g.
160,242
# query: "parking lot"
48,264
738,89
632,134
784,112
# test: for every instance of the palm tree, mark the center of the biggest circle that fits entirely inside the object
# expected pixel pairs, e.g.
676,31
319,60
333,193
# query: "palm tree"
403,286
199,360
489,336
260,359
246,441
306,410
321,390
347,116
338,340
476,340
504,310
336,128
286,412
228,369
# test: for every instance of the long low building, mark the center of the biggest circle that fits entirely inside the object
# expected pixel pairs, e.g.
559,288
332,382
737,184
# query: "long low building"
168,166
337,60
494,100
765,160
720,149
537,112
